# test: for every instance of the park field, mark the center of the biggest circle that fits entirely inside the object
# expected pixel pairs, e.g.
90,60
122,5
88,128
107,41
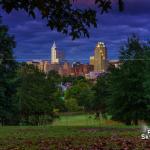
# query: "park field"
77,132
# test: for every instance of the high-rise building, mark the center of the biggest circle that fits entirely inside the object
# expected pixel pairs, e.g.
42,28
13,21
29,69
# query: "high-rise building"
92,60
100,58
54,54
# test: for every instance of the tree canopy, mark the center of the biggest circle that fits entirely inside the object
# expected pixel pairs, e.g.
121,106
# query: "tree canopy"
129,99
82,92
62,15
101,94
7,75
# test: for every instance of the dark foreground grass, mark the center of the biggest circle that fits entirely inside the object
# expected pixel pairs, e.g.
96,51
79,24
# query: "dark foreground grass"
78,132
25,132
71,137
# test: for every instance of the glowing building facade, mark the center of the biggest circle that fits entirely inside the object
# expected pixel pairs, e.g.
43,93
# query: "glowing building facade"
92,60
99,60
54,54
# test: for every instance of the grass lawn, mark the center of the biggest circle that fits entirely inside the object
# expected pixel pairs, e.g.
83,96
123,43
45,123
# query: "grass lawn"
83,120
72,132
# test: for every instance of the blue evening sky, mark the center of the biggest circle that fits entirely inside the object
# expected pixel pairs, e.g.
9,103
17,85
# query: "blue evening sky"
34,39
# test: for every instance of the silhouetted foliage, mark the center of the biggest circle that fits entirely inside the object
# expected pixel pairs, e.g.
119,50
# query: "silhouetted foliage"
61,14
7,76
101,91
34,96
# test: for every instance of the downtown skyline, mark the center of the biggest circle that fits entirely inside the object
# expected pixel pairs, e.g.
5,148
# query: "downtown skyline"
34,39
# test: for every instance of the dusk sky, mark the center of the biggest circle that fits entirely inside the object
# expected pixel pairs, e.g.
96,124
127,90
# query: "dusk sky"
34,39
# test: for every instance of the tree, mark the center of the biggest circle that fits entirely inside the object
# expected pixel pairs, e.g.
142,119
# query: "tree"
61,15
99,103
7,76
72,105
73,79
34,95
54,81
128,99
83,93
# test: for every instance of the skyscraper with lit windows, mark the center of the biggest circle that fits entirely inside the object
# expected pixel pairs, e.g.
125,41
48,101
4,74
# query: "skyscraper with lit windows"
100,58
54,54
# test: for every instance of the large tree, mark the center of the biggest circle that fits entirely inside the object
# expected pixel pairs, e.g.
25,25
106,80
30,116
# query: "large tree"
129,84
34,95
62,15
101,92
7,75
82,92
54,80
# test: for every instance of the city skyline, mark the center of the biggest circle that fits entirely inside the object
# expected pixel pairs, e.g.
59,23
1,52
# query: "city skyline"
97,65
34,39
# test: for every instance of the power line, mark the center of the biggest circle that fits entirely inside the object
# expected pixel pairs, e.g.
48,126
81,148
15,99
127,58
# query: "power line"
68,59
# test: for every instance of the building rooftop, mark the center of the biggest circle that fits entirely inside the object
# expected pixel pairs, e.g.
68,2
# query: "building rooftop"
54,45
101,44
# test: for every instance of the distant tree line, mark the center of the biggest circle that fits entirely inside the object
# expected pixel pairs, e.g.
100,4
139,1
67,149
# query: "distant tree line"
31,97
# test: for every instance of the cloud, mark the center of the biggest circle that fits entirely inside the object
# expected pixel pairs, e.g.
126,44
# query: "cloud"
34,39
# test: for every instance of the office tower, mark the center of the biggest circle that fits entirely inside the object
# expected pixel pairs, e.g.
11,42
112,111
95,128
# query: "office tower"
54,54
100,58
92,60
